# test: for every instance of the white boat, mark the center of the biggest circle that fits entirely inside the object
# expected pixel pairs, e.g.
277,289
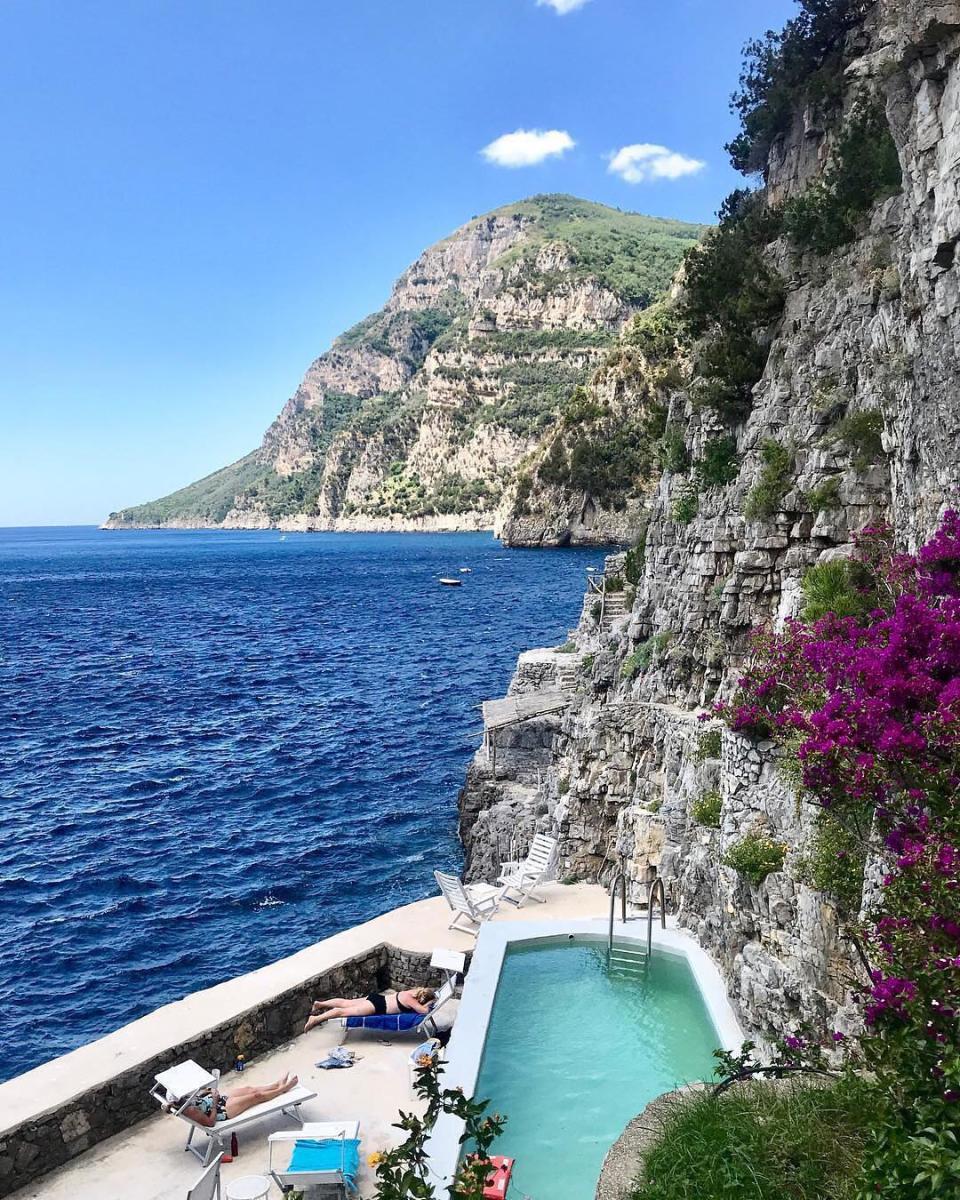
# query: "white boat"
466,570
450,582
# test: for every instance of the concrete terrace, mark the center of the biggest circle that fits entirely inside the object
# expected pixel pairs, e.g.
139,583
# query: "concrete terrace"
147,1162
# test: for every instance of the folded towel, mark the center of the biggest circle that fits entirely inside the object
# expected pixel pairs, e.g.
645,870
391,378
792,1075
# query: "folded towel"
389,1023
327,1154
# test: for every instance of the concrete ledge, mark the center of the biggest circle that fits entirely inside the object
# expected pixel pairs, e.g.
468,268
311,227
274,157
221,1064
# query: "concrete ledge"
57,1111
60,1109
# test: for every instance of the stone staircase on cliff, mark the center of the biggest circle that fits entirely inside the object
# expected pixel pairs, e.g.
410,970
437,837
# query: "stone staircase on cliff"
614,609
604,608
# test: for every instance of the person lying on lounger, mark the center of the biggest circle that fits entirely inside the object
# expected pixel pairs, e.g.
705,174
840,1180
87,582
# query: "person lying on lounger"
379,1004
212,1106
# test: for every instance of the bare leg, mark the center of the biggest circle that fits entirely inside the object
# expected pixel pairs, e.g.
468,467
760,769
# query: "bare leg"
347,1008
243,1098
320,1005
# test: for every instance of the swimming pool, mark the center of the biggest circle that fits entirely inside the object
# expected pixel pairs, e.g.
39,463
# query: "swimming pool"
571,1053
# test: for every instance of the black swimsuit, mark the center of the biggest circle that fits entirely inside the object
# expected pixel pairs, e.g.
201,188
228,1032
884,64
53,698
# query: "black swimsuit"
379,1002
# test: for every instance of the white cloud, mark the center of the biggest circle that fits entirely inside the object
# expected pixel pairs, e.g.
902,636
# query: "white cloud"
644,161
527,147
562,6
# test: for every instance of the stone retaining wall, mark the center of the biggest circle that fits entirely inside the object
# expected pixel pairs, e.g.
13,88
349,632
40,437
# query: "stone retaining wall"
52,1138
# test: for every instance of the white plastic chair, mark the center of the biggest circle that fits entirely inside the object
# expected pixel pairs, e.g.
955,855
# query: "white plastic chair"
207,1186
536,868
476,902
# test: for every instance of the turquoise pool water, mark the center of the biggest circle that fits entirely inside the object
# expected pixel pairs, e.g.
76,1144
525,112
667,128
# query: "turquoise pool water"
572,1054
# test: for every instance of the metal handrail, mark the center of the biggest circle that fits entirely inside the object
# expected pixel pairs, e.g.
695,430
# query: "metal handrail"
655,886
621,878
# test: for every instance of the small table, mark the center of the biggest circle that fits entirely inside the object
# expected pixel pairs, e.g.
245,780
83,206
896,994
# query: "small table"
249,1187
450,962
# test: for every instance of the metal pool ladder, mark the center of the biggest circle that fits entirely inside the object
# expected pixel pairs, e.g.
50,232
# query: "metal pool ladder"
624,958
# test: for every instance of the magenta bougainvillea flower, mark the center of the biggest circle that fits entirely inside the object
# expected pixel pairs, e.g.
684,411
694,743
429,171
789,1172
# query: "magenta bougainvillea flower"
872,708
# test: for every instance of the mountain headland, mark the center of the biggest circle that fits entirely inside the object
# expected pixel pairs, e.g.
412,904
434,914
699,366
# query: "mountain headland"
426,413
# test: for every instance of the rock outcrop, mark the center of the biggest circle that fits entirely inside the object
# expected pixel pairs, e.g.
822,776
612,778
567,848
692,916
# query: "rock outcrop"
860,396
418,417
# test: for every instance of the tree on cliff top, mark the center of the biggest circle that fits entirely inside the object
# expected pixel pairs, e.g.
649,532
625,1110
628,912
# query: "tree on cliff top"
799,65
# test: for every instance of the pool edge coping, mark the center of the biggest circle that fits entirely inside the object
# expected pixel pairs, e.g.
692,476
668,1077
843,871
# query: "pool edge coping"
465,1051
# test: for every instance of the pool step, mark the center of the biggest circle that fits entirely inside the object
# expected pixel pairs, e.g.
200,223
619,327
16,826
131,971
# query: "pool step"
626,960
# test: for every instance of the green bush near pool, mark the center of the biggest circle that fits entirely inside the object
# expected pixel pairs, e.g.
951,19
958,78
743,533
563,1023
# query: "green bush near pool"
789,1141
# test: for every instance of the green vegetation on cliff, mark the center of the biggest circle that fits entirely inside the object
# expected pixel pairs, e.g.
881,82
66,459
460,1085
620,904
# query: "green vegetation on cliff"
205,502
633,255
784,71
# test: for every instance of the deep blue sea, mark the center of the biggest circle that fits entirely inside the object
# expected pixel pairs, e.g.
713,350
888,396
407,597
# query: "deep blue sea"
217,748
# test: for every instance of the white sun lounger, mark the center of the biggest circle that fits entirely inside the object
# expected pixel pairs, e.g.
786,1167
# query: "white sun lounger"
207,1186
474,902
320,1155
522,877
186,1081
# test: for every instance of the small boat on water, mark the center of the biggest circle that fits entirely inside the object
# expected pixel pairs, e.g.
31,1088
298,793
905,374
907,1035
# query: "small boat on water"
466,570
450,582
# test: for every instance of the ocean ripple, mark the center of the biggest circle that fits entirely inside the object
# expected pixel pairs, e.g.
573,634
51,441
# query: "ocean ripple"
217,748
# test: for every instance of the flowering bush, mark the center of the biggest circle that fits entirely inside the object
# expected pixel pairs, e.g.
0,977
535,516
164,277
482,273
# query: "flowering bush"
755,857
872,705
707,809
403,1171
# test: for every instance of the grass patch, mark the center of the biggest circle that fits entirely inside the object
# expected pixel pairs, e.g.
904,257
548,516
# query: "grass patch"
719,465
834,862
861,435
757,1142
709,745
840,587
755,857
672,451
686,506
636,556
643,656
706,809
825,495
776,476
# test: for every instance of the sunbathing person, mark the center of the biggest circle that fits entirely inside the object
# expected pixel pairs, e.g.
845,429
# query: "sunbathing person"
379,1004
212,1106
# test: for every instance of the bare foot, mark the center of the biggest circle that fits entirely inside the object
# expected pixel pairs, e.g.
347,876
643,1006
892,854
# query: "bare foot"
312,1022
292,1081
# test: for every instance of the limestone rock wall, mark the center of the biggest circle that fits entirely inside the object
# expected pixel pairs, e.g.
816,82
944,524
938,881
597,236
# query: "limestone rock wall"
874,328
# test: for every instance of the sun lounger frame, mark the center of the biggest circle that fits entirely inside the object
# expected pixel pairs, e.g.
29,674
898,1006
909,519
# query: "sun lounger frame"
317,1131
200,1080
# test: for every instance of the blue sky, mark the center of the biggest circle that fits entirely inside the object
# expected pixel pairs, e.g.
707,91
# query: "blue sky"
200,194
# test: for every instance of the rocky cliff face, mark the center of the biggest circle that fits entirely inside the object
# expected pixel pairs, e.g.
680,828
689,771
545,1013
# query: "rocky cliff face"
859,397
419,416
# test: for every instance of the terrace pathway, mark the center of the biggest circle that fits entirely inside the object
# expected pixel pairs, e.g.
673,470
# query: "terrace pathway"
147,1161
